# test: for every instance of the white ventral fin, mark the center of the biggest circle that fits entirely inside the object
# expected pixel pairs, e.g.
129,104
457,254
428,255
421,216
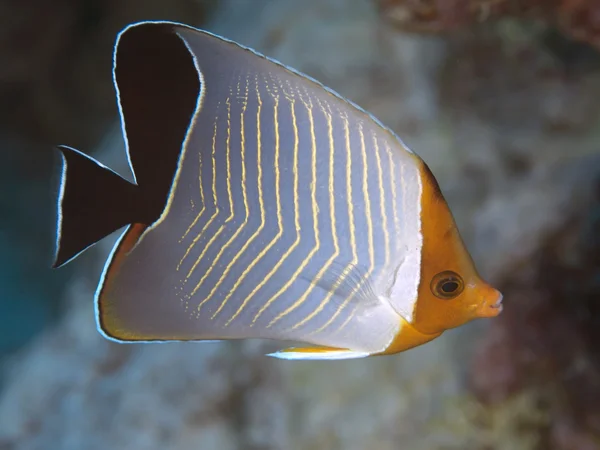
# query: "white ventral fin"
317,353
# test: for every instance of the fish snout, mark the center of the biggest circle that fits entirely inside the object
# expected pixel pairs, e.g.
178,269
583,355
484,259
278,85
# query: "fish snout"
491,305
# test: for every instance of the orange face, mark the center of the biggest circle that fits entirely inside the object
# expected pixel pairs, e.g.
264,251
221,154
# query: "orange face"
451,292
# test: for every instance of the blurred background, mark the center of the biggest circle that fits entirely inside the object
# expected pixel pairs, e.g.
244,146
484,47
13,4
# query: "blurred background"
500,97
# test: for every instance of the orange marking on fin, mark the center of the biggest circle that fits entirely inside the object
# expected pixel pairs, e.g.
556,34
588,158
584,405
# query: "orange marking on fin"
109,321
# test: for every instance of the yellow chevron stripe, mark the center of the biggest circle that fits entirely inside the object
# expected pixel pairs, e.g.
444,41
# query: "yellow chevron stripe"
201,212
276,238
393,188
336,246
382,208
214,194
351,223
231,205
296,217
315,208
244,190
261,207
365,189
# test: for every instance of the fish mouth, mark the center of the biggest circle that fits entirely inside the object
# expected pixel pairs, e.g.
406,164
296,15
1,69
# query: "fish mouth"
499,307
498,304
488,309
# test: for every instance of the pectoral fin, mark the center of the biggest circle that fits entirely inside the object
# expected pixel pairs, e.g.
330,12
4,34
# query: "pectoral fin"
317,353
348,282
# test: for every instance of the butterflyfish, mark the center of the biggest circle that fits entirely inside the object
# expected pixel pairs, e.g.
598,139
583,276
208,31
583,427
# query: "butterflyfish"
264,205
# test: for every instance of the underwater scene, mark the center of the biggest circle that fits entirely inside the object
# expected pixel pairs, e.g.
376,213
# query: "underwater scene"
387,233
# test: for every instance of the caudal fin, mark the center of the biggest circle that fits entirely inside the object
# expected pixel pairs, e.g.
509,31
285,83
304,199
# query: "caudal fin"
94,201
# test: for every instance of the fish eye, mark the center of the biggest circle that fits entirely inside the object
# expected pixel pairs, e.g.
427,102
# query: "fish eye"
447,285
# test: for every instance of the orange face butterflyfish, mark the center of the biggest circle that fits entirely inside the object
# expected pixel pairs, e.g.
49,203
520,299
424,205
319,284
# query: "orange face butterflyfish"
264,205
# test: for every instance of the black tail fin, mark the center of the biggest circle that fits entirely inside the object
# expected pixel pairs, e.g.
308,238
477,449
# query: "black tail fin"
94,201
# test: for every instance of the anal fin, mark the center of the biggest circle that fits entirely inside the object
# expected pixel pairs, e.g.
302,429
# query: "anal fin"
317,353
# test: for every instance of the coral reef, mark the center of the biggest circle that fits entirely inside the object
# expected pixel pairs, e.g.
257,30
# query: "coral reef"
549,336
580,19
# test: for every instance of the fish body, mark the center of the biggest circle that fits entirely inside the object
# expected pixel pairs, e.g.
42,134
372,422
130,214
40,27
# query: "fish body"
265,206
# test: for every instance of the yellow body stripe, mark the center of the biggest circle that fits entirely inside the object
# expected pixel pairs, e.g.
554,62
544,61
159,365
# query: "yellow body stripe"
394,192
351,223
231,206
296,217
244,193
384,218
365,189
262,213
199,215
277,201
228,159
333,228
336,253
404,189
313,193
214,194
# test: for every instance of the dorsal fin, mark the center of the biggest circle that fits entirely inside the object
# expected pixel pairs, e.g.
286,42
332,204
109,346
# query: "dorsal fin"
157,86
